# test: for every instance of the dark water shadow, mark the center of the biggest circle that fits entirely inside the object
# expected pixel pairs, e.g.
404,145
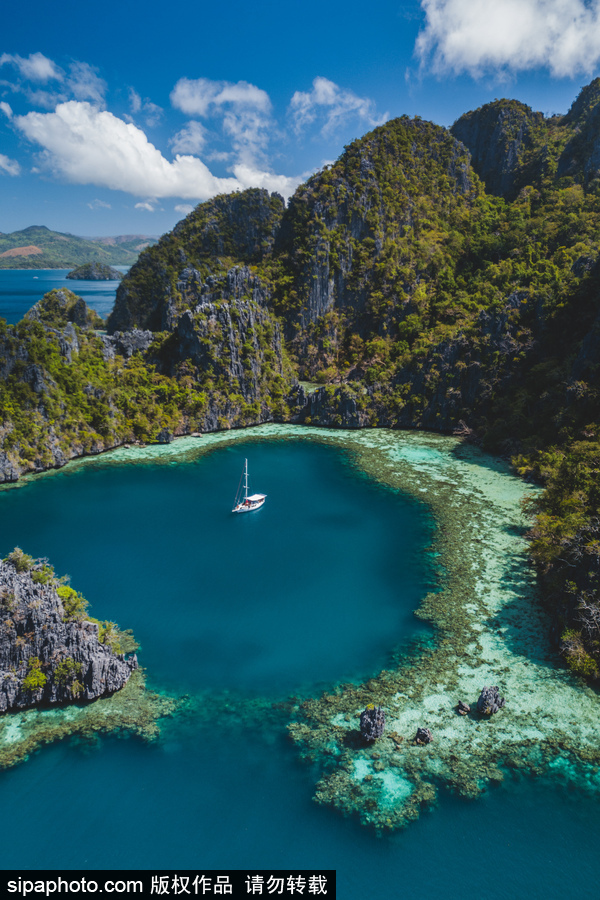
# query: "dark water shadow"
522,622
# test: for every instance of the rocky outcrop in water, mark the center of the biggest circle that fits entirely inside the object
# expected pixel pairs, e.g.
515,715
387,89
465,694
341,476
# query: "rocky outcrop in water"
50,652
490,701
423,736
372,723
95,271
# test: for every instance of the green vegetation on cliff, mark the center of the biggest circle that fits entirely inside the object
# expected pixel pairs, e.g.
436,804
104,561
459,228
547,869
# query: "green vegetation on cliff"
37,247
95,271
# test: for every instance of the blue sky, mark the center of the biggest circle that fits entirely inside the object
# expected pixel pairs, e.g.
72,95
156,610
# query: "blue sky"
118,118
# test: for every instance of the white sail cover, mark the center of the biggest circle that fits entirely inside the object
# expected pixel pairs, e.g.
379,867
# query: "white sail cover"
253,498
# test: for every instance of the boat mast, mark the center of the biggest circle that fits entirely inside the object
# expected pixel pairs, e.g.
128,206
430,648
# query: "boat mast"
246,474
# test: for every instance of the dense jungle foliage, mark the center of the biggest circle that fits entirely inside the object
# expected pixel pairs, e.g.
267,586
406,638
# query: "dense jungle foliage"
428,278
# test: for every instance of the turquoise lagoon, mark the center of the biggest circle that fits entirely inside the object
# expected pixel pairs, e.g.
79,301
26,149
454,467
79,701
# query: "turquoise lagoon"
238,612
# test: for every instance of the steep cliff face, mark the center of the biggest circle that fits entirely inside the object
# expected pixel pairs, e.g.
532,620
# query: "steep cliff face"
238,227
228,332
49,651
500,137
359,236
580,158
66,390
512,146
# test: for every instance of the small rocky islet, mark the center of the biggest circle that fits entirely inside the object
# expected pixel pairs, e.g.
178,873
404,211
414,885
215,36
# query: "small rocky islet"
95,271
51,651
55,658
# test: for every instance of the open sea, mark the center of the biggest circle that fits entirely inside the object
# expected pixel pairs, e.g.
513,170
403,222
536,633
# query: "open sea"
21,288
318,587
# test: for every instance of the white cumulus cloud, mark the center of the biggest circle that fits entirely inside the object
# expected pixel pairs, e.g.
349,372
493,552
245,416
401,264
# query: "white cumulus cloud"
85,145
35,67
89,146
9,166
478,36
6,109
191,138
331,104
80,82
243,109
203,97
250,176
184,208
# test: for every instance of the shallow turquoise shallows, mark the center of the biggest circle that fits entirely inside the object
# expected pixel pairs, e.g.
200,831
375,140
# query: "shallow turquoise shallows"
20,289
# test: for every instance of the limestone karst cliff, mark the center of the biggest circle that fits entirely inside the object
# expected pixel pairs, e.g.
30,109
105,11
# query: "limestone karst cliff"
50,651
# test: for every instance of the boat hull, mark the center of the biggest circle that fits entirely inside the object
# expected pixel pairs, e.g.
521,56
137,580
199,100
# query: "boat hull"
248,506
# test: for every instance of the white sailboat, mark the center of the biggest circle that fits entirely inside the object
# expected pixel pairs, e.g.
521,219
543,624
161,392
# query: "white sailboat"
245,502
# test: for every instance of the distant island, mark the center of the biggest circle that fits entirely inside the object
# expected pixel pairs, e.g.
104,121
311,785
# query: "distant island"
37,247
95,271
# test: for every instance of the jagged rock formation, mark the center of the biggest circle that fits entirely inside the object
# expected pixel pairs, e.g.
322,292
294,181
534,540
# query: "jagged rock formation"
49,654
490,701
372,723
221,356
61,308
369,206
500,136
95,271
240,227
423,736
126,343
580,158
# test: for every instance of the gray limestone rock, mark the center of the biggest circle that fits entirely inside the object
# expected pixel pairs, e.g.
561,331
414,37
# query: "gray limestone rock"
490,701
423,736
64,653
372,723
126,343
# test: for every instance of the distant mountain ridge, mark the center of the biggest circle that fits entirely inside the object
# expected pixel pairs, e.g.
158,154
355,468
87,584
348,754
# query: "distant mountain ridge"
37,247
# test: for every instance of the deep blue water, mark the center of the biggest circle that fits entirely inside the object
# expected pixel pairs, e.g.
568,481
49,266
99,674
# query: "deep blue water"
317,586
20,289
